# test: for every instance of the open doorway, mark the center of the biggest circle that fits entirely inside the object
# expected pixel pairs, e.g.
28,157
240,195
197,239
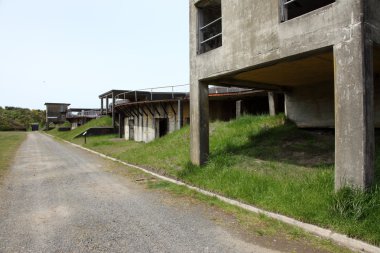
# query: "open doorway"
161,126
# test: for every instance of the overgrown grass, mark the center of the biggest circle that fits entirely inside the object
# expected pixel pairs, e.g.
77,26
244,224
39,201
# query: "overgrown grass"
70,135
261,160
9,143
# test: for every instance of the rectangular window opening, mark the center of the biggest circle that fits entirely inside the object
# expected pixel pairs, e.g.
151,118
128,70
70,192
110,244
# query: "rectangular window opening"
294,8
209,25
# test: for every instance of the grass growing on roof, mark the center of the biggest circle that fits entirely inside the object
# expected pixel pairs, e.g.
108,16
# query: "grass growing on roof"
70,135
265,161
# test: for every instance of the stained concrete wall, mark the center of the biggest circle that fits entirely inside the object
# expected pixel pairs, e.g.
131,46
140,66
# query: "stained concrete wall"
145,126
373,18
311,105
253,34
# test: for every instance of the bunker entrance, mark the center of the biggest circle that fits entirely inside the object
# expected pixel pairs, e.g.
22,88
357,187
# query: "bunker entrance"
294,8
161,126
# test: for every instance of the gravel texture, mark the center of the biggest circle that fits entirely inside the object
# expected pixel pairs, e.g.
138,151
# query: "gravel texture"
57,198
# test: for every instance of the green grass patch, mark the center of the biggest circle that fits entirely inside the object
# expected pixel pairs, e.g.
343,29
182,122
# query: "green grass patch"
9,143
264,161
70,135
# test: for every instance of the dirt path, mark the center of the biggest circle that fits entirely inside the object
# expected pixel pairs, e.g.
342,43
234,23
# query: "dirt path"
57,198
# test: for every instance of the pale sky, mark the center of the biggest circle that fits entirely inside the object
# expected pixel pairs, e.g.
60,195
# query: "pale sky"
71,51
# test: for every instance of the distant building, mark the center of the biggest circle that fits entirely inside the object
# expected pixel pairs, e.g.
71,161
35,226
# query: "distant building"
56,113
80,116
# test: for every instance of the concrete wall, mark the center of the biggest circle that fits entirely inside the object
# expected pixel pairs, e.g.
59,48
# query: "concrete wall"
373,18
311,106
145,127
253,34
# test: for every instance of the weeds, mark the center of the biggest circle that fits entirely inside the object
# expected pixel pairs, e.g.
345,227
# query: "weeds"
354,203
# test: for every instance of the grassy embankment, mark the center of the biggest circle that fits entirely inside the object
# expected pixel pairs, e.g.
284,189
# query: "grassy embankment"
264,161
9,143
70,135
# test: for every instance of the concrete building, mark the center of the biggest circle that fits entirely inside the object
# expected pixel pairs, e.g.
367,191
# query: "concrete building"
109,98
145,116
323,54
56,113
80,116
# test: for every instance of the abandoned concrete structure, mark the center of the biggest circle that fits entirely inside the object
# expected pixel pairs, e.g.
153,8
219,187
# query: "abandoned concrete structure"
56,113
107,108
323,54
146,115
80,116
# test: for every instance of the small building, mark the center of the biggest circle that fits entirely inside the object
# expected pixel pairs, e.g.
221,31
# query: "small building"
35,126
56,113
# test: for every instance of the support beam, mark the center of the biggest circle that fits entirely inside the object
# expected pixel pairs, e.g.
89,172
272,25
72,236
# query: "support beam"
273,101
199,126
113,111
180,114
101,106
239,108
246,84
107,104
121,125
354,111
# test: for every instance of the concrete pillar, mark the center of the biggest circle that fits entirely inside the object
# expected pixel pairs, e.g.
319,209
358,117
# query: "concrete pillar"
239,108
180,114
107,103
121,125
199,123
272,99
101,106
113,111
354,112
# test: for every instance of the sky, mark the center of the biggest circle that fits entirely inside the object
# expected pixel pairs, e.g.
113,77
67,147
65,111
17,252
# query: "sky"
71,51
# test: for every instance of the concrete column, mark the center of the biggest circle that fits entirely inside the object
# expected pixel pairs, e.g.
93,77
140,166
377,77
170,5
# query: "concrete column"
107,103
121,125
239,108
354,112
272,99
199,123
180,114
113,111
101,106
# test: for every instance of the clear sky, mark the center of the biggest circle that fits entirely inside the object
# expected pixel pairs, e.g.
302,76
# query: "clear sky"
71,51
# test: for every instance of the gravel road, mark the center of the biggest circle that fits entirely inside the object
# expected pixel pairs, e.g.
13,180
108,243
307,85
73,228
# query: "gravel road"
57,198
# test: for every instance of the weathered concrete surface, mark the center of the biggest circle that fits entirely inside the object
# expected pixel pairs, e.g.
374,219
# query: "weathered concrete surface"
57,198
311,105
199,126
254,38
354,111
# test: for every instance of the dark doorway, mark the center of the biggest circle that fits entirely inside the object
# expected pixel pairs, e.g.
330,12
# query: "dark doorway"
162,127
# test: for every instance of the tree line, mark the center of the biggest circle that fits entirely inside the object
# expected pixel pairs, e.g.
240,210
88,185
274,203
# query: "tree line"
20,119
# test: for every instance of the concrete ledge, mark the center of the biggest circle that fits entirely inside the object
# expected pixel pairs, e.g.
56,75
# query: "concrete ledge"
340,239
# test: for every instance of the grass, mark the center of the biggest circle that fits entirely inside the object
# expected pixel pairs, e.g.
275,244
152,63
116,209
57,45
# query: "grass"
70,135
264,161
9,143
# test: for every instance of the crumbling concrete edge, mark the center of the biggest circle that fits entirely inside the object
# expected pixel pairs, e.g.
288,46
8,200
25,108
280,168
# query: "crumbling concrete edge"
341,239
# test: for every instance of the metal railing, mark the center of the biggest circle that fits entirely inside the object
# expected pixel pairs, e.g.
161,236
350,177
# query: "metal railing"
210,35
89,114
148,94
